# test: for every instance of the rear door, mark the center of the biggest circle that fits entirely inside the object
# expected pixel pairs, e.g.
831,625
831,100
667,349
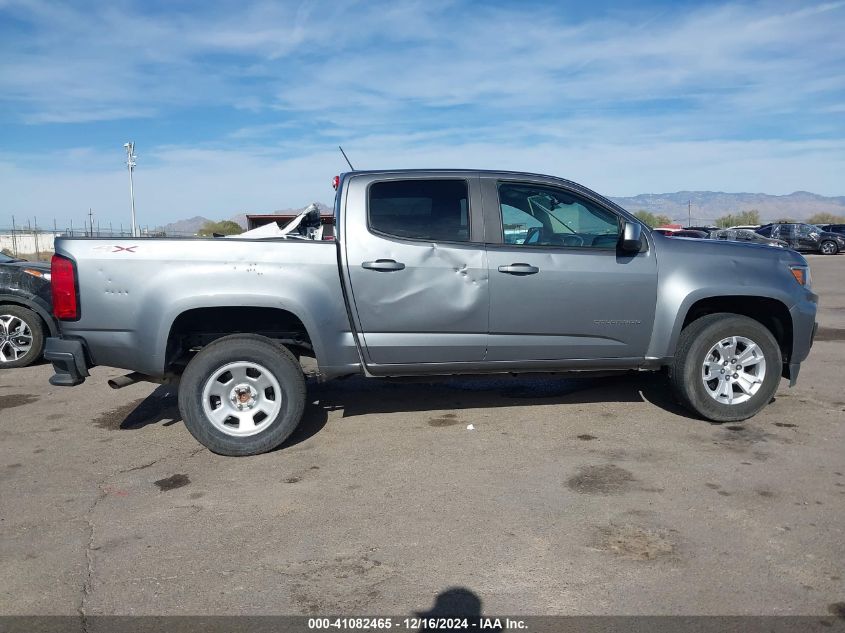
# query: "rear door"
785,233
808,237
560,289
417,267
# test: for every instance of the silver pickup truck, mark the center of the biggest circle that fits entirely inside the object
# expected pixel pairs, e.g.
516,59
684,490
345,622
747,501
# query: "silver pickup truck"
431,273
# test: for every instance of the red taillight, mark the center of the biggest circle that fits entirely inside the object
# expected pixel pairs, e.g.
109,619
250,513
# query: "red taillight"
63,282
335,182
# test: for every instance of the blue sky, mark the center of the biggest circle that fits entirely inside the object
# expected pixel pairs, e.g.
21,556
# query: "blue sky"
239,106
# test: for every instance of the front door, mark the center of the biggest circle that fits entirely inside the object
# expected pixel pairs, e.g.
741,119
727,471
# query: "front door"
417,270
559,287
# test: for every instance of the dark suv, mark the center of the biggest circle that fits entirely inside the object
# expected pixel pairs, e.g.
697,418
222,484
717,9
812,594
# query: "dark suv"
25,307
805,237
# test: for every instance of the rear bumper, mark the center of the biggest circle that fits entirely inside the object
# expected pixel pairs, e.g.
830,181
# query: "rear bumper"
69,361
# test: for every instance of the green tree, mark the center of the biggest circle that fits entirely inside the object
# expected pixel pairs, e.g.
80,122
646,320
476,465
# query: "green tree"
652,219
224,227
826,218
743,217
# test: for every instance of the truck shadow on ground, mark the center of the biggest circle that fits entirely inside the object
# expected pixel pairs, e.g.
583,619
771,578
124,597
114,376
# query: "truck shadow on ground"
360,396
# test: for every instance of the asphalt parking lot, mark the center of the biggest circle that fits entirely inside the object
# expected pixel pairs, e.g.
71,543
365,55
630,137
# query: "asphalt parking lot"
594,496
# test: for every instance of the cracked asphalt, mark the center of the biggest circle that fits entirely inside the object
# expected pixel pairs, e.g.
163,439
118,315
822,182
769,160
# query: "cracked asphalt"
595,496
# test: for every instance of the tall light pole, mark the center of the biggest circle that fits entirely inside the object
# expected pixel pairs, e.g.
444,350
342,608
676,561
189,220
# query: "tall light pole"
130,164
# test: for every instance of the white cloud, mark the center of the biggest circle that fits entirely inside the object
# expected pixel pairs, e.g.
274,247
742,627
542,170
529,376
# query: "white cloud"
718,96
379,56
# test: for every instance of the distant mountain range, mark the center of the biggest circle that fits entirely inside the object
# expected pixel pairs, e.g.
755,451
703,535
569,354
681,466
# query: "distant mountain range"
188,227
706,206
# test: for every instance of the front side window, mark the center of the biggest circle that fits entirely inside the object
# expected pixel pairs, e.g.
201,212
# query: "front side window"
534,215
436,210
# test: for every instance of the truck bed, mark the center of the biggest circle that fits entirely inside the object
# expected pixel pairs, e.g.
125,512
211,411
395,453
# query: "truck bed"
132,290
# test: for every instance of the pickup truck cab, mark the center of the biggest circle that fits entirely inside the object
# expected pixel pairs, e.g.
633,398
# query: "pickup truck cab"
431,273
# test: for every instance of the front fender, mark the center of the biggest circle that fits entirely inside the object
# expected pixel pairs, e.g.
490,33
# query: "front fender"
664,347
692,270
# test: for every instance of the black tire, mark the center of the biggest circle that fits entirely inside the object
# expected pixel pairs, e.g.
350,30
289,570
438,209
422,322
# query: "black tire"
696,340
36,328
828,247
251,348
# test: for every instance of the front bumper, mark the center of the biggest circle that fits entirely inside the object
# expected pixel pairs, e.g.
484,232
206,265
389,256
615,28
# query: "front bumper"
804,328
69,361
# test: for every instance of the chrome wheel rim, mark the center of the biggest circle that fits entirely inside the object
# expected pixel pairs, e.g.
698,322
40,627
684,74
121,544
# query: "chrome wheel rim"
15,338
828,248
242,398
733,370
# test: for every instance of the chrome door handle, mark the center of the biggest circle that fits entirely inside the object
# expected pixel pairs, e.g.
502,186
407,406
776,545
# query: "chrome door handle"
519,269
383,265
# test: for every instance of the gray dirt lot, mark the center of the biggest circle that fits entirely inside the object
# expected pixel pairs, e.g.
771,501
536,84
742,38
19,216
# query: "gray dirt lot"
594,496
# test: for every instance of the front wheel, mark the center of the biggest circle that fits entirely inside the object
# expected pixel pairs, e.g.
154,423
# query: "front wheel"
828,247
727,367
242,395
21,336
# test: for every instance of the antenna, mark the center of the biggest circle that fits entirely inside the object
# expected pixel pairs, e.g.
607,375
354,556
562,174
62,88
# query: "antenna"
346,157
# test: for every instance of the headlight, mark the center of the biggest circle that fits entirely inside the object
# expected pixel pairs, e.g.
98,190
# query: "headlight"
801,274
37,273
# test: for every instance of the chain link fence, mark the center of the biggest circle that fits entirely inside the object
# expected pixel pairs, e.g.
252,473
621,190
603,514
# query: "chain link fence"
33,242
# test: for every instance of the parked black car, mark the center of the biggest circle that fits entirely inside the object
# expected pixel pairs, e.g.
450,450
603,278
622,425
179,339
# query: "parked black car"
746,235
805,237
833,228
25,311
700,235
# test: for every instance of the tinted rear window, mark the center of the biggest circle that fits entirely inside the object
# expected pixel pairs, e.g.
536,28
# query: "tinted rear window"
421,209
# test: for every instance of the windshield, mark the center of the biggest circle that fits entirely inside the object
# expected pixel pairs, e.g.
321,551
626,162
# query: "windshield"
5,258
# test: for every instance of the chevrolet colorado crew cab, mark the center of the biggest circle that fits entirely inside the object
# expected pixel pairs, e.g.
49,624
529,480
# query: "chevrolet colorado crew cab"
431,273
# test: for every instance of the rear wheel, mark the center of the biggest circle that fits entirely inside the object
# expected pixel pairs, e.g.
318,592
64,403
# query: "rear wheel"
727,367
21,336
242,395
828,247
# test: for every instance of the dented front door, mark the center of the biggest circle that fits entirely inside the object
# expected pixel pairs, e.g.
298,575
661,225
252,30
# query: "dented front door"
416,268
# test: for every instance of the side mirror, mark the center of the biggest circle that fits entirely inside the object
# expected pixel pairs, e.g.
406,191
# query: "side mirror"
632,237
